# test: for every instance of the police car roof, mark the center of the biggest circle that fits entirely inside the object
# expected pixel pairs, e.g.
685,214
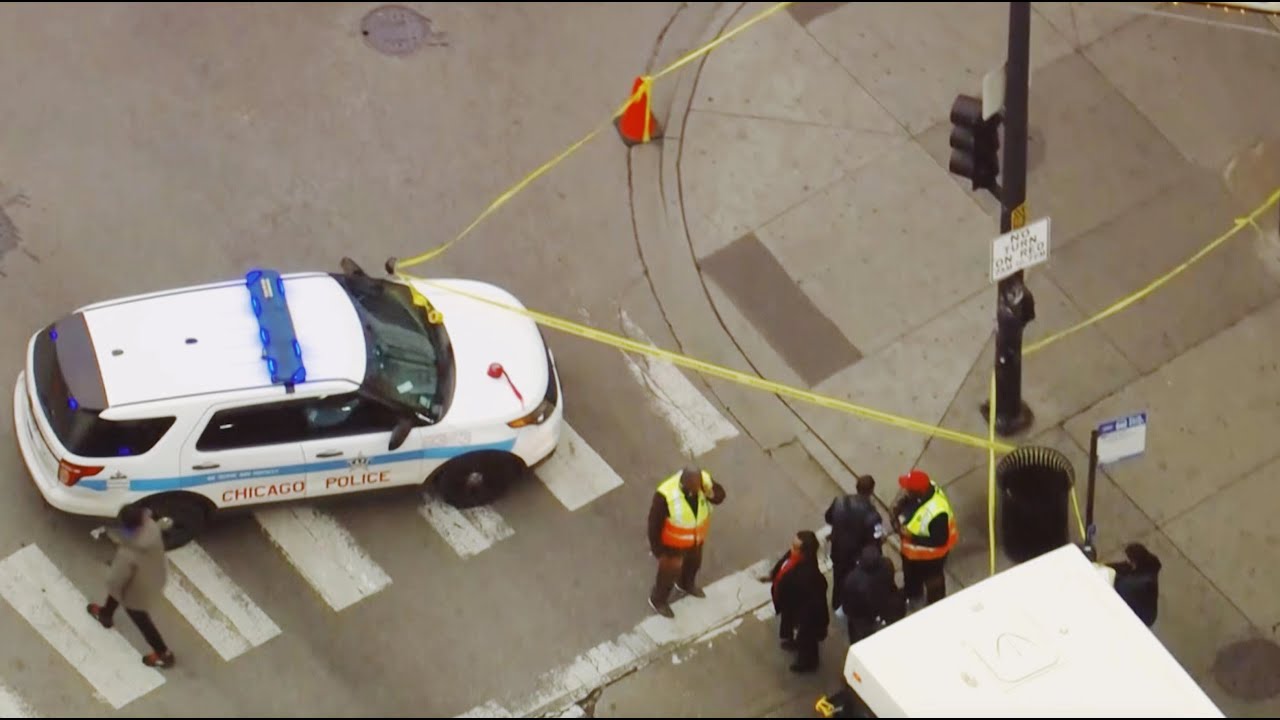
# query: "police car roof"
205,339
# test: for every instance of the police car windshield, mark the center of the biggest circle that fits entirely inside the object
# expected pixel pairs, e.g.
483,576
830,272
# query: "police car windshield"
410,361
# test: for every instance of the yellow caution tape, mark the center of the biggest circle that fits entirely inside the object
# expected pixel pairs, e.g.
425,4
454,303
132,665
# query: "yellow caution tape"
1075,510
1249,220
753,381
991,484
645,91
1240,223
694,55
988,443
626,344
991,474
645,87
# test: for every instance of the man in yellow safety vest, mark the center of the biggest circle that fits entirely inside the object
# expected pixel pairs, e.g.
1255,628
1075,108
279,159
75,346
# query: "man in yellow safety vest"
927,527
678,521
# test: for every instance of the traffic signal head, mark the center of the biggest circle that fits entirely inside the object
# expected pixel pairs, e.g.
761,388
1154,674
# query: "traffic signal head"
975,143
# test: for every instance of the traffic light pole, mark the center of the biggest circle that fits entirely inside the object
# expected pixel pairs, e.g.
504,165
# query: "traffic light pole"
1015,306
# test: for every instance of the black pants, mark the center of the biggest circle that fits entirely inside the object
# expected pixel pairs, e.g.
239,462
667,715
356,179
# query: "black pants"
839,571
861,627
924,580
806,640
673,565
142,619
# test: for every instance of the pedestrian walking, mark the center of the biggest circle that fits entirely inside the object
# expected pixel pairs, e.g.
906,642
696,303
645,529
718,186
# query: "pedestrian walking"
855,523
136,579
870,595
927,527
679,518
800,599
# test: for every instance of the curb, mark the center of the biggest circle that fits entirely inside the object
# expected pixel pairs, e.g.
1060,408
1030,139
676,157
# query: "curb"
655,637
676,283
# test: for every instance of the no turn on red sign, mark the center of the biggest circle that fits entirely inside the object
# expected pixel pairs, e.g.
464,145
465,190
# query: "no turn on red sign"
1020,249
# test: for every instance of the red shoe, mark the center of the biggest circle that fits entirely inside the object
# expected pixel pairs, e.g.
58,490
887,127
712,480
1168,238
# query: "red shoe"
96,611
158,660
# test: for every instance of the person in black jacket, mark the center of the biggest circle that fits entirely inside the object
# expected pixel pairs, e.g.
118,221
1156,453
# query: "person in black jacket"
870,597
855,523
1138,581
800,598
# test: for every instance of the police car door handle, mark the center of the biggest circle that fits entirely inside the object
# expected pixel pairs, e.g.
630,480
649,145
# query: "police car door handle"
329,453
205,466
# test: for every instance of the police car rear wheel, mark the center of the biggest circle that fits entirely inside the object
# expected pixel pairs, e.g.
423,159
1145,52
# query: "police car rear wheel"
189,516
478,479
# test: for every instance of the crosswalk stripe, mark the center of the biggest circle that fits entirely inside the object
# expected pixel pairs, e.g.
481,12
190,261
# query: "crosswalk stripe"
218,608
324,553
490,709
56,609
469,532
13,706
575,473
697,423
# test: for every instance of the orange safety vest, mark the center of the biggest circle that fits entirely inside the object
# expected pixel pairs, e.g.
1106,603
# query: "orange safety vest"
685,527
918,526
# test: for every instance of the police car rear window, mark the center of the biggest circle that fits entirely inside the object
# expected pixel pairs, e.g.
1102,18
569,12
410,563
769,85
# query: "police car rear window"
69,388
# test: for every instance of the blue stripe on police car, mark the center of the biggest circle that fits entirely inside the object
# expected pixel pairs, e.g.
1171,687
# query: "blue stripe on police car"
188,481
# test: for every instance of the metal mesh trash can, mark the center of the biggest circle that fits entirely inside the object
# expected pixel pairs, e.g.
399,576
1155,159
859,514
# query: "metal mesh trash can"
1034,484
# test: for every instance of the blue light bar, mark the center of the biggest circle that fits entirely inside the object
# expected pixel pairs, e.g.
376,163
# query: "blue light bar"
280,346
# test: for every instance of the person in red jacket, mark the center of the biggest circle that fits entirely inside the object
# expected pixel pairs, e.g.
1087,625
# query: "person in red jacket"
800,599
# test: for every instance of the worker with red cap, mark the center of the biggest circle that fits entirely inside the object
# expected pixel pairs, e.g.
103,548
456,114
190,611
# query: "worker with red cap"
927,527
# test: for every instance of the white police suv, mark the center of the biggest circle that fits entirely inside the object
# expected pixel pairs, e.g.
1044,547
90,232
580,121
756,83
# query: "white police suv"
282,387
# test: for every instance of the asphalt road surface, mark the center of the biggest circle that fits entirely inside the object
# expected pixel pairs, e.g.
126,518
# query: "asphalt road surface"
152,146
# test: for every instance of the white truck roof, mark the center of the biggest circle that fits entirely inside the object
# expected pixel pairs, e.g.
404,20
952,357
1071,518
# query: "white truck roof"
1047,638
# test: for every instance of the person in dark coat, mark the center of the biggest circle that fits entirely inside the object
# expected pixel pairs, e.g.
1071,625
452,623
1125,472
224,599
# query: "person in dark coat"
1138,581
800,598
855,523
870,597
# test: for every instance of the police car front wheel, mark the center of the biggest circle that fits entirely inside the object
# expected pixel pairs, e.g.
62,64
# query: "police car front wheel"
187,516
477,479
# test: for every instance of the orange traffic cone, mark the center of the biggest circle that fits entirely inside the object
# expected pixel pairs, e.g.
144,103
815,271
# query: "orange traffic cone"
637,124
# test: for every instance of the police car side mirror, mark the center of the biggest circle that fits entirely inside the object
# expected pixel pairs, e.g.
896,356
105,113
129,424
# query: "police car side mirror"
350,267
400,433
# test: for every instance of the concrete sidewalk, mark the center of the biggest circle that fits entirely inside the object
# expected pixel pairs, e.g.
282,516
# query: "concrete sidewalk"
800,215
741,672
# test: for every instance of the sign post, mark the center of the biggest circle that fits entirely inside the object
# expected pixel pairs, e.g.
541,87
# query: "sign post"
1110,442
1122,438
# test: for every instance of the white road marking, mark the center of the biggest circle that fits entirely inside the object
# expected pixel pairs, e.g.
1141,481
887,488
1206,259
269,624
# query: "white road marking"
765,613
469,532
218,608
325,553
490,709
727,628
575,473
56,609
696,620
727,599
13,706
697,423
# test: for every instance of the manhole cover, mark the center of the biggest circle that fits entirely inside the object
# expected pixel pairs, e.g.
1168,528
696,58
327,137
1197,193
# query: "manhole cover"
1249,669
396,30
